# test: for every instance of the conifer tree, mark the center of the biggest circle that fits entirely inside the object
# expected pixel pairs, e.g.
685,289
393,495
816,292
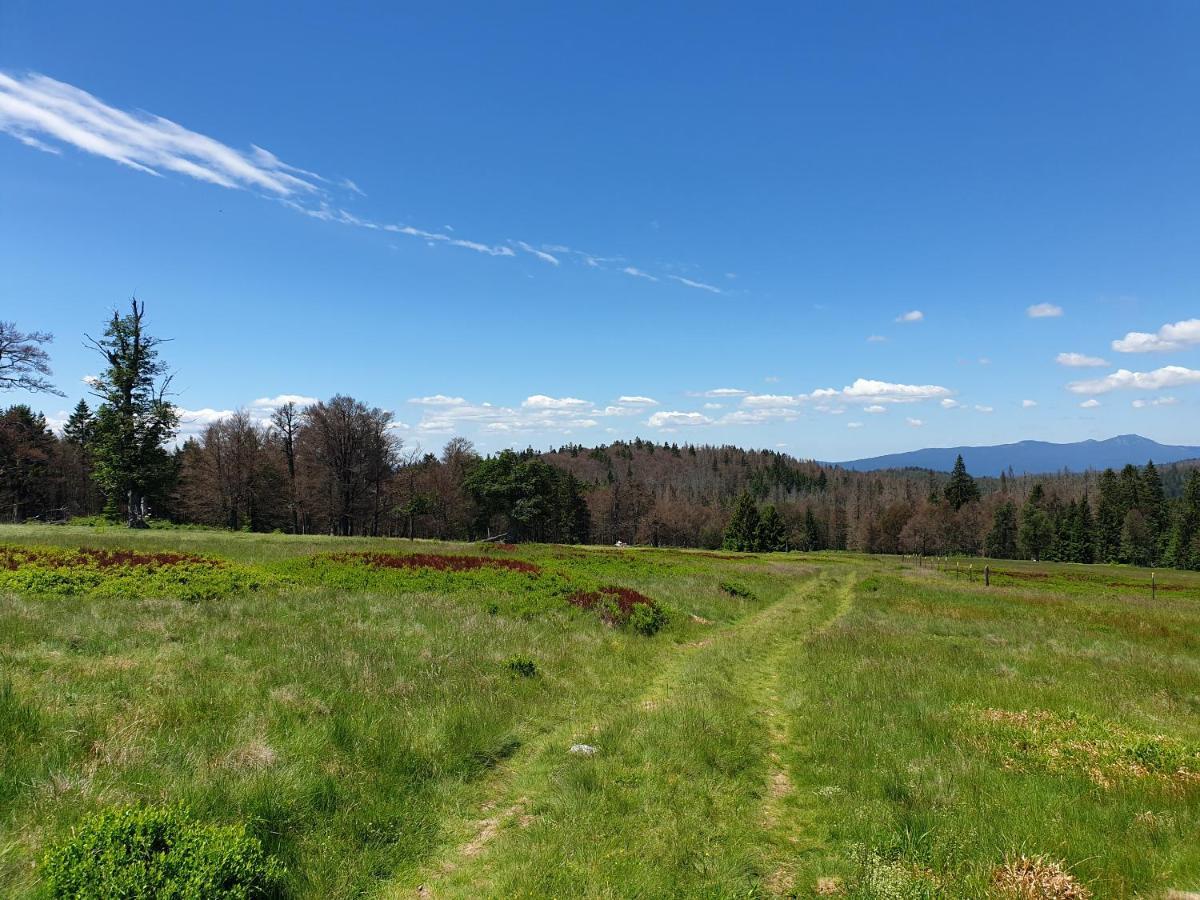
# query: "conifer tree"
1110,516
771,535
961,489
1002,539
1037,533
742,531
1154,508
1183,546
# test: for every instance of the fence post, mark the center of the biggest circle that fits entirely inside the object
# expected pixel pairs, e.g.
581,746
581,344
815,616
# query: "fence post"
987,576
1153,587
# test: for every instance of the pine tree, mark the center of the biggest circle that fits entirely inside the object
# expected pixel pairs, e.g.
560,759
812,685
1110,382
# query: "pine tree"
742,531
961,489
80,426
1002,539
1086,533
771,535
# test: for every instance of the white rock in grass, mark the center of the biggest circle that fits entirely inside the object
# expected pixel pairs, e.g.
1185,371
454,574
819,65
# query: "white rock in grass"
584,750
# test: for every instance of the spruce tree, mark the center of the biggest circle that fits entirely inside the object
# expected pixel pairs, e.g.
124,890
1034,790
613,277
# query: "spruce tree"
961,489
1085,551
1110,516
1154,508
1183,546
1037,532
771,535
80,426
742,531
1002,539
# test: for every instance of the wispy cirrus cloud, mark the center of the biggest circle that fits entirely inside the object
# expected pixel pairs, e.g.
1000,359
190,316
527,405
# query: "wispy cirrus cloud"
48,115
1173,336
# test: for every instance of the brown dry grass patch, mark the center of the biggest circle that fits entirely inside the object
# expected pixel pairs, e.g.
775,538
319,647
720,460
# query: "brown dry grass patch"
1037,878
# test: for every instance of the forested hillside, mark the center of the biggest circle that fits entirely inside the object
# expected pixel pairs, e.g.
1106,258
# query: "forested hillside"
338,466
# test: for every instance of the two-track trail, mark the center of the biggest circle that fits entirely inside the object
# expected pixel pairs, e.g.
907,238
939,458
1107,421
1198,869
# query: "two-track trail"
687,794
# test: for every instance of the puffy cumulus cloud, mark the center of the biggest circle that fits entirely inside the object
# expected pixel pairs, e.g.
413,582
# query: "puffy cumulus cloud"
875,409
1028,404
1176,336
1089,404
541,401
913,315
1044,311
1079,360
950,403
867,390
193,421
674,419
1123,379
771,400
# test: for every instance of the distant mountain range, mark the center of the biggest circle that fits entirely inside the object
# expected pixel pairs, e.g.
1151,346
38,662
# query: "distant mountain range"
1032,457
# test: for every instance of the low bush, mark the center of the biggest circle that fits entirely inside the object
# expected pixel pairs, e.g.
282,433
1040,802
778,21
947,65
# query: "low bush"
622,606
734,589
522,666
160,852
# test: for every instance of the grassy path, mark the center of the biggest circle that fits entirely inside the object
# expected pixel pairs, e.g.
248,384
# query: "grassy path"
687,794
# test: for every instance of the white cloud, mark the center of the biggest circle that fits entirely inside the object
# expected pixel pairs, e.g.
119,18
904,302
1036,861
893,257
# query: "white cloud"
638,273
869,390
192,421
637,401
771,400
273,403
982,409
949,403
437,400
1079,360
875,408
90,380
719,393
772,379
677,419
913,315
1157,401
1123,379
1177,336
1028,404
854,424
540,254
1089,404
875,339
47,115
714,405
1044,311
38,108
915,423
695,284
541,401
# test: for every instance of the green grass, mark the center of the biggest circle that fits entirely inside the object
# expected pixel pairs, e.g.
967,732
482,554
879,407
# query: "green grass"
903,730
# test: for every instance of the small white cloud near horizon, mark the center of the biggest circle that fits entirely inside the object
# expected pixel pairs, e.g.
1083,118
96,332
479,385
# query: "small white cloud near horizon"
273,403
1123,379
913,315
437,400
541,401
983,409
676,419
1157,401
1176,336
1028,404
637,401
1079,361
1089,404
1044,311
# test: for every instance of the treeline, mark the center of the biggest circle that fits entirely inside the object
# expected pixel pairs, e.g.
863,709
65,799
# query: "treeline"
338,466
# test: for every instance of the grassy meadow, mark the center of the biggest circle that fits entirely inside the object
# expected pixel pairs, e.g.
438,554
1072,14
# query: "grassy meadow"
799,725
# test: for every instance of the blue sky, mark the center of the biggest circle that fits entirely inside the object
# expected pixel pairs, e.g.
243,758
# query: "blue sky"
543,223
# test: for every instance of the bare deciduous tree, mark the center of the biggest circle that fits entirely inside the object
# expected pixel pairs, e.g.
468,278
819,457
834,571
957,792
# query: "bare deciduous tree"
24,363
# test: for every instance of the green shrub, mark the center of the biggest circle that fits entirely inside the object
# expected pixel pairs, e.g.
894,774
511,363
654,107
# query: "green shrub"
736,590
647,618
160,852
523,666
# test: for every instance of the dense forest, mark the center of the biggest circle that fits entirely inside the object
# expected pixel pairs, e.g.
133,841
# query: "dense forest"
337,466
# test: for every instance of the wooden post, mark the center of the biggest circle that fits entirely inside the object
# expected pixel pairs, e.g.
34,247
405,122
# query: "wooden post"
1153,587
987,576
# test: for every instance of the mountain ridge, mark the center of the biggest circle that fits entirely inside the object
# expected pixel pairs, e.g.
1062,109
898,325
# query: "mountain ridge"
1032,457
